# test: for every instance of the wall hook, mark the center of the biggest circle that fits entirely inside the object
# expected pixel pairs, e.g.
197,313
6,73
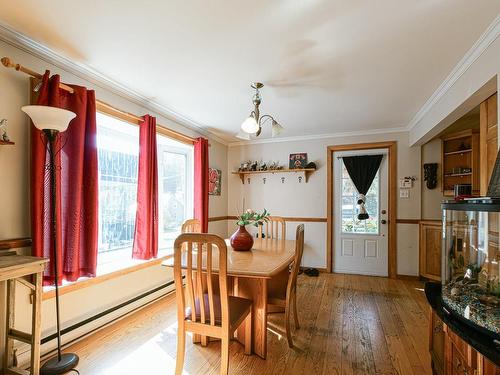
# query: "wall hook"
264,180
248,180
282,180
300,179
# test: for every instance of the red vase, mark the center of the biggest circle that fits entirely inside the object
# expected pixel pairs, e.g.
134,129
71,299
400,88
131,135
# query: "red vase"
241,240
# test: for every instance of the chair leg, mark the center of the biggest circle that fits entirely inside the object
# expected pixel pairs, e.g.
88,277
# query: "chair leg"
181,343
204,340
287,324
295,314
248,333
224,360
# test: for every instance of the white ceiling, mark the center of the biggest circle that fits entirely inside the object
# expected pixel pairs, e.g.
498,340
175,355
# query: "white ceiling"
330,66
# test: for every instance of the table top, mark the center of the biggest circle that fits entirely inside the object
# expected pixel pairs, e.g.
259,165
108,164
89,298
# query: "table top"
10,264
267,258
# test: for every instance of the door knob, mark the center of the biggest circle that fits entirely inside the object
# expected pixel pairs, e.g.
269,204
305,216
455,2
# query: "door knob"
383,212
383,221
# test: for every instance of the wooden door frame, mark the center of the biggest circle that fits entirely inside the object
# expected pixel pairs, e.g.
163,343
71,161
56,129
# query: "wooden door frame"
391,146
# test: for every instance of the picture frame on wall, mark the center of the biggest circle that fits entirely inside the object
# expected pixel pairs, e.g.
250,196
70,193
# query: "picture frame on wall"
214,181
297,161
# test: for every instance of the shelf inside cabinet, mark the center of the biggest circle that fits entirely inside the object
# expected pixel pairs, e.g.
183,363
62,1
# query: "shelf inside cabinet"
458,152
3,143
305,171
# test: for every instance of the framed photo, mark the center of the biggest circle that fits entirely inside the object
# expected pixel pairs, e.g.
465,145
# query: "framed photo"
297,161
214,181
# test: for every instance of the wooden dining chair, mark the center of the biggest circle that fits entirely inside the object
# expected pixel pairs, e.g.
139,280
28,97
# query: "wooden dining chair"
285,295
207,310
191,226
273,226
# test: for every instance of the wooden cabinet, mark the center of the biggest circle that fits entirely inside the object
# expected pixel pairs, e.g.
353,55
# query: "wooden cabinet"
436,343
450,355
430,249
488,139
460,161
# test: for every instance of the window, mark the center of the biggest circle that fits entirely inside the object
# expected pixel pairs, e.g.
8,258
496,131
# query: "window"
175,190
350,222
118,155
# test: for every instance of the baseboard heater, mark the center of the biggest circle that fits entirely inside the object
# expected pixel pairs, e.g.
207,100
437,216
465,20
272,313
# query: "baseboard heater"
107,312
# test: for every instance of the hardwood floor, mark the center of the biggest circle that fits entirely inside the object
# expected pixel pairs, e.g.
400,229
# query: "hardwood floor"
350,324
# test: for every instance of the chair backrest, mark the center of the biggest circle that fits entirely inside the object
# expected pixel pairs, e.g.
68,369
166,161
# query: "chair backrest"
194,254
191,226
272,228
299,250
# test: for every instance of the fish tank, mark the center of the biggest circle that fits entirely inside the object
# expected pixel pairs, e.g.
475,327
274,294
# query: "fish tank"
470,273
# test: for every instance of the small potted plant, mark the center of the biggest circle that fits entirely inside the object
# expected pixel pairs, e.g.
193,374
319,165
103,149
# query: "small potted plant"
241,240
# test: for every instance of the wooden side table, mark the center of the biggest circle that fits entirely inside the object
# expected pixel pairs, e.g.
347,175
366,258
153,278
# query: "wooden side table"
12,269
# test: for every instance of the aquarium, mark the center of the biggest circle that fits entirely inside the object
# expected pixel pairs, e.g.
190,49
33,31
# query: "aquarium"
470,262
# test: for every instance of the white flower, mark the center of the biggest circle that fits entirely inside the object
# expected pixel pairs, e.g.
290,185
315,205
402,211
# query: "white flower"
250,211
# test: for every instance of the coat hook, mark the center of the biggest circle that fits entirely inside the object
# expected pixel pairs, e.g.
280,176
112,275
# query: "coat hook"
248,180
282,180
300,179
264,180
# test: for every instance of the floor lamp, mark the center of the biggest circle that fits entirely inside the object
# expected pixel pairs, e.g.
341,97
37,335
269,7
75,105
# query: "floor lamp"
51,121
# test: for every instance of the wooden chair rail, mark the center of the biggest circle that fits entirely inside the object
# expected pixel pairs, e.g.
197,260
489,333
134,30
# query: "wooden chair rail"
15,243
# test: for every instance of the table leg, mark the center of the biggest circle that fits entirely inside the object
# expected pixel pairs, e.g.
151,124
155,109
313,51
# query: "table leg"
256,290
8,359
36,326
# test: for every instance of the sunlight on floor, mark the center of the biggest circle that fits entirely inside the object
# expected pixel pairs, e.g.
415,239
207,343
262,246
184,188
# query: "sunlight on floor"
149,358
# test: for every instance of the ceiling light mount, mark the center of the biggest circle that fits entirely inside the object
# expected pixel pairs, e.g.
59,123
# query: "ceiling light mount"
253,123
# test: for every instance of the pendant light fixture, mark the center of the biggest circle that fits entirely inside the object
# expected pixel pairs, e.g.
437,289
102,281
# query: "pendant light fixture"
253,123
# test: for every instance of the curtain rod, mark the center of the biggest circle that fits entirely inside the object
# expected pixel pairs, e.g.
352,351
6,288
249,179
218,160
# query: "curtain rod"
102,106
349,156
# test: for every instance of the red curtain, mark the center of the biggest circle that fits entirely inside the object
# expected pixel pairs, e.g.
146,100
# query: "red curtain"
146,219
201,182
76,185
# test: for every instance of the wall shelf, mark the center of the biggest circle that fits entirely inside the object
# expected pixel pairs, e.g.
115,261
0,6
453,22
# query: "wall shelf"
459,152
305,171
2,143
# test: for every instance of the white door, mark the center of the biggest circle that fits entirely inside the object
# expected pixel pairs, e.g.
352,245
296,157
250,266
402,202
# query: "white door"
361,246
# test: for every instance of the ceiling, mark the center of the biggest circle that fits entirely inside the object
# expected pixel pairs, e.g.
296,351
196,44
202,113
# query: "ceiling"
329,66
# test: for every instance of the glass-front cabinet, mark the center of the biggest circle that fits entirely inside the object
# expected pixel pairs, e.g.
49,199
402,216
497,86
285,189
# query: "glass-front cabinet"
471,262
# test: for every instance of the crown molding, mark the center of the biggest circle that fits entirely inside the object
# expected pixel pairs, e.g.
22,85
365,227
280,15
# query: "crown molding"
356,133
477,49
85,72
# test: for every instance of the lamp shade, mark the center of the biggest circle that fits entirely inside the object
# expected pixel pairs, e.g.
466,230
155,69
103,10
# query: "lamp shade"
250,125
276,129
51,118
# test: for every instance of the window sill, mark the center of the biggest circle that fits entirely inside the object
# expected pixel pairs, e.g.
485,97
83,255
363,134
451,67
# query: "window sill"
103,276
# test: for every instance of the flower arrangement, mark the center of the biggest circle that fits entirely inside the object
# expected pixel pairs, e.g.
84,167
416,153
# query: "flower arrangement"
251,217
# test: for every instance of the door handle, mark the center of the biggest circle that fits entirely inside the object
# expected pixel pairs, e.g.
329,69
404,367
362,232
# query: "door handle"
383,212
383,221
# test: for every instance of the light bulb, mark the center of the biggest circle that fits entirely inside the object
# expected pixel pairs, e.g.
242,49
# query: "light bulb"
250,125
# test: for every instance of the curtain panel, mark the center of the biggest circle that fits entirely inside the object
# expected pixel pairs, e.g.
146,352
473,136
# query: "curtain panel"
146,219
362,170
76,185
201,182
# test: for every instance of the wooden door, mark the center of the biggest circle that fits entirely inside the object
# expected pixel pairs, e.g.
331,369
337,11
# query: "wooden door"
488,139
430,249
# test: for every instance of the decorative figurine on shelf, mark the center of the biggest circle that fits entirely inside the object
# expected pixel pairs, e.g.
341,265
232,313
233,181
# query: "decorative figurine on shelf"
275,166
253,166
262,166
3,126
244,166
430,175
311,165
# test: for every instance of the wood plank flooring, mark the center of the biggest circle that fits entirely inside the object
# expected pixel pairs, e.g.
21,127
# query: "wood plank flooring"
350,324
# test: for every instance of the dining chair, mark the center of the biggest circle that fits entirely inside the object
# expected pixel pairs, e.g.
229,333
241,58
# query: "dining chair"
273,225
284,293
191,226
200,309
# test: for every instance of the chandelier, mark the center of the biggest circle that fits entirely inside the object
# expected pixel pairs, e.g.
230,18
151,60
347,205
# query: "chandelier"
253,124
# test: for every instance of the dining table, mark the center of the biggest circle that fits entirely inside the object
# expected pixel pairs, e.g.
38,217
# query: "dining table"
249,273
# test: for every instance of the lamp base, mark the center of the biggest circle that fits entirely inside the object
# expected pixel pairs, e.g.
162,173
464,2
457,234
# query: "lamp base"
55,367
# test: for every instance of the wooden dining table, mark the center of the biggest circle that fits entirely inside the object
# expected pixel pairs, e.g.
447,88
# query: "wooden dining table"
249,273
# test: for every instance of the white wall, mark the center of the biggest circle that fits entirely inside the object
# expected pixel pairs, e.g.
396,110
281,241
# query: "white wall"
309,199
14,219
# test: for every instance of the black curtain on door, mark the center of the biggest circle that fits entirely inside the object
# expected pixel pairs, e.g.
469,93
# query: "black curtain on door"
362,170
